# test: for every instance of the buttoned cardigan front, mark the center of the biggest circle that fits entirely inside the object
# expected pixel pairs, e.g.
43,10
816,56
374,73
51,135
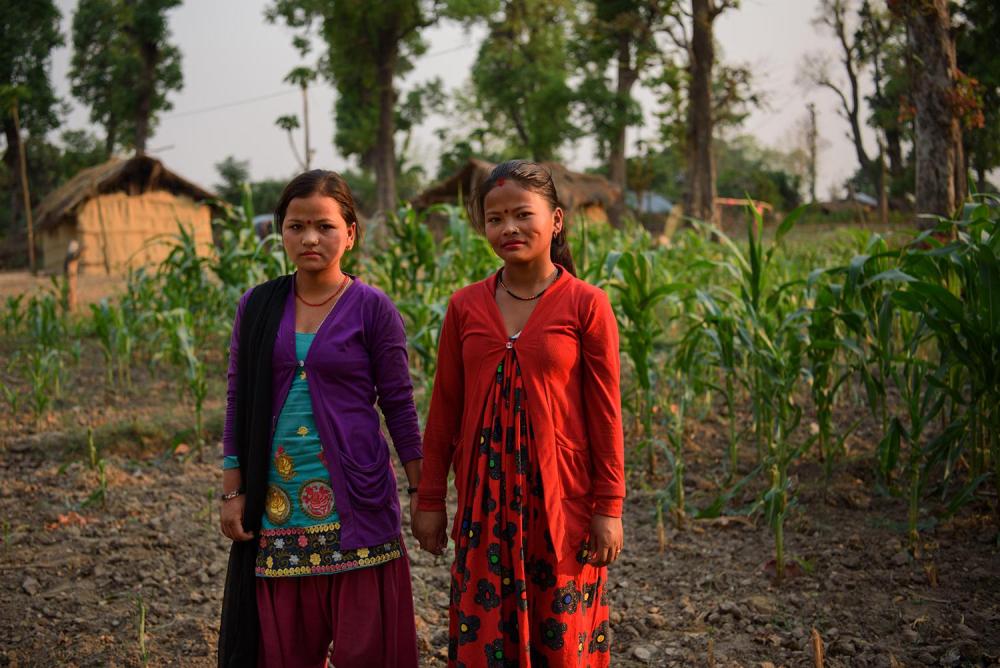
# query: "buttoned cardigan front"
357,360
569,359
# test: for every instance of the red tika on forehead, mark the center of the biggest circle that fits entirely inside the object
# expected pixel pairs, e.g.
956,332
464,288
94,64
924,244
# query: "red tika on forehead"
501,181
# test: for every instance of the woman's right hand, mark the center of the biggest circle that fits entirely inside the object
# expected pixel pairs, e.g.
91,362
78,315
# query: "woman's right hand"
231,519
430,528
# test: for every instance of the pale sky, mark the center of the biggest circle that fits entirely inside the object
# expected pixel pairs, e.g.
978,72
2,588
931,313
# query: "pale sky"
234,63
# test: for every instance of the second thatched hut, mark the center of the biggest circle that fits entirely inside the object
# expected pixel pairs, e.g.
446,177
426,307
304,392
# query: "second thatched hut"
588,196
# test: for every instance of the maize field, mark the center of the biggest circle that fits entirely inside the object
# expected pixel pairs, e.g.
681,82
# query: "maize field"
812,442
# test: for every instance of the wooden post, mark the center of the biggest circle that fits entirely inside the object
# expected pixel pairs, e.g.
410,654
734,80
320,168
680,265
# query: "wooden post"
72,268
23,162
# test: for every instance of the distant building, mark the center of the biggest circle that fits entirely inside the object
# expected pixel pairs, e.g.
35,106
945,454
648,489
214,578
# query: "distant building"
582,195
648,202
118,213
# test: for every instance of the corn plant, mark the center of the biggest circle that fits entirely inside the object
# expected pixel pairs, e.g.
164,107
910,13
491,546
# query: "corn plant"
687,376
116,337
182,352
42,367
640,290
241,259
92,453
719,325
100,495
141,612
46,321
955,289
13,314
826,375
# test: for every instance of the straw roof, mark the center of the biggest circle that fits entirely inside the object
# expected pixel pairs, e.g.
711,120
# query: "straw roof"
134,176
576,190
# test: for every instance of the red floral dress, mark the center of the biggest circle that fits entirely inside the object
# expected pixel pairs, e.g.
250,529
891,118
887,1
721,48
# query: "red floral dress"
510,606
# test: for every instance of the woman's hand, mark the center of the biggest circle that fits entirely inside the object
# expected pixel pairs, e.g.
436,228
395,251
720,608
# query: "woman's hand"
606,537
430,529
231,519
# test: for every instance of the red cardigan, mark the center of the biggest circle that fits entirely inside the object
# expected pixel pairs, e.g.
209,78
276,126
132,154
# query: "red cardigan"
568,352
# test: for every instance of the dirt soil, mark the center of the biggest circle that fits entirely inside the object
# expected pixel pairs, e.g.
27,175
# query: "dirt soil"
73,575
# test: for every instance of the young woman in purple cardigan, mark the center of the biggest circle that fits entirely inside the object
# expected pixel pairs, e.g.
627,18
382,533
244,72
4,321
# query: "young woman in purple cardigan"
317,569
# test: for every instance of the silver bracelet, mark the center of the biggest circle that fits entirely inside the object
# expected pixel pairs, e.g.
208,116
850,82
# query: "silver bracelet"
228,496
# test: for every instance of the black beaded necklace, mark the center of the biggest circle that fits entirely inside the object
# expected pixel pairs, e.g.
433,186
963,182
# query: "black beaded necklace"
526,299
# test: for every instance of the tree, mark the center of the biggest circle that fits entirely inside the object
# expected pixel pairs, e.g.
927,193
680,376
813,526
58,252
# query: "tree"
940,167
124,67
834,16
368,47
29,32
301,77
521,77
701,189
881,43
289,123
978,54
618,34
233,174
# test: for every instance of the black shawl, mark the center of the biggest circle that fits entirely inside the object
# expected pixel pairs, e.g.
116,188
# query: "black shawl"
240,631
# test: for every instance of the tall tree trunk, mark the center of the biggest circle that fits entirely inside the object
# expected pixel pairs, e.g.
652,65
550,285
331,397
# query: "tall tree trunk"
894,151
144,105
939,179
110,138
22,165
700,196
11,159
627,76
812,141
385,146
305,125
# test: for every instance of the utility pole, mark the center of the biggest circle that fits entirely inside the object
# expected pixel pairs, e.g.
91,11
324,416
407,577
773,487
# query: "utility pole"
23,162
811,147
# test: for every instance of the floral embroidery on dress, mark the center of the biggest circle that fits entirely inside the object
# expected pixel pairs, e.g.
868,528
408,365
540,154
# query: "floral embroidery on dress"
316,550
284,465
277,505
316,499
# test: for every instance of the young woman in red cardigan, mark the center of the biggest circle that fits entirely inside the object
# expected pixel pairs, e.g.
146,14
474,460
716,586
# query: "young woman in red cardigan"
526,408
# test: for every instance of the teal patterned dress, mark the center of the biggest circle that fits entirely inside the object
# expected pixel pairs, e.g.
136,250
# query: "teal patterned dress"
300,530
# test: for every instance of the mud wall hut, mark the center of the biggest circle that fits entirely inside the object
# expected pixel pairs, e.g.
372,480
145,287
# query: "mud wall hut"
119,212
588,196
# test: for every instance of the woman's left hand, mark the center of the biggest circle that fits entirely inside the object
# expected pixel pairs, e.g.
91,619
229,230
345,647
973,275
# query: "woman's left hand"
606,538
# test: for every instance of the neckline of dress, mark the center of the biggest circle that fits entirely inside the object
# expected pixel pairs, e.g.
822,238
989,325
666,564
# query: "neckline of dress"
493,282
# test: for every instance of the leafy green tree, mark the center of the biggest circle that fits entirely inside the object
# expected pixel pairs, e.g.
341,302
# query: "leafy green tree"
29,31
233,174
618,36
521,76
881,45
124,66
368,47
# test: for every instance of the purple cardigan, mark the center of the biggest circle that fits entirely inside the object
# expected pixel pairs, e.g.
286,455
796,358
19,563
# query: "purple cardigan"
358,356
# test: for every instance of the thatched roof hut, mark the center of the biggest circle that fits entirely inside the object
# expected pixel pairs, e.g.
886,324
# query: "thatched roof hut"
116,211
582,195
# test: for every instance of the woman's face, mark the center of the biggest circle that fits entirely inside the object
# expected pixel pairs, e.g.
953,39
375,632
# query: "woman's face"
315,234
520,223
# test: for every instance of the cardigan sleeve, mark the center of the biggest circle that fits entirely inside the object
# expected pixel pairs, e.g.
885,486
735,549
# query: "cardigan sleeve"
392,380
229,448
444,417
602,397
